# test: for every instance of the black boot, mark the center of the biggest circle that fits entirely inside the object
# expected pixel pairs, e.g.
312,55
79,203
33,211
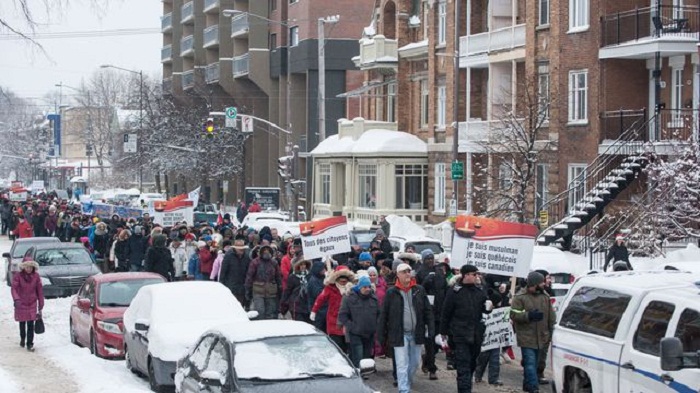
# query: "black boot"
21,343
30,347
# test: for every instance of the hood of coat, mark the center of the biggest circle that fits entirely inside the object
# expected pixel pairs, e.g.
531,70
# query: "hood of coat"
29,264
301,262
333,277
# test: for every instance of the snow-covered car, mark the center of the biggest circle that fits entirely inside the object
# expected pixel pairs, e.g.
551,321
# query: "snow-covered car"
275,220
271,356
16,254
685,266
419,243
164,320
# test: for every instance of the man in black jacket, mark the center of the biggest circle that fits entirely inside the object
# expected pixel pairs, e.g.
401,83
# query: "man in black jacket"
432,278
618,252
462,321
234,269
406,313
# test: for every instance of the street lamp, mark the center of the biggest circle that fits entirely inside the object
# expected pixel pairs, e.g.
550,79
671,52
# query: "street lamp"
139,143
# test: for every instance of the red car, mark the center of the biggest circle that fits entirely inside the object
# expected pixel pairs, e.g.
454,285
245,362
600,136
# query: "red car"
97,310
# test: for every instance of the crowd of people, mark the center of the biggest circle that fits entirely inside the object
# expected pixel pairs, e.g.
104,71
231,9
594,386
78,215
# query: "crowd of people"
371,302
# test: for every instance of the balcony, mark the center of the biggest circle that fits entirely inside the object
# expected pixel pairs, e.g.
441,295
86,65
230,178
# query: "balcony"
211,73
167,85
187,46
239,25
483,44
166,54
187,13
166,22
188,79
641,32
472,136
211,36
211,6
241,65
377,53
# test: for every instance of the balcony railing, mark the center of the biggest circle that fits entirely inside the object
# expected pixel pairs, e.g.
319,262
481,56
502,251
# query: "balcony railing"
166,53
211,36
241,65
210,5
510,37
668,125
614,123
211,73
187,79
187,12
478,131
186,45
681,22
167,85
377,51
239,25
166,22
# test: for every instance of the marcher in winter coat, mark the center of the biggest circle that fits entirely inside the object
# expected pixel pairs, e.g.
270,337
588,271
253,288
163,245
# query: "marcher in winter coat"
295,296
100,241
207,255
234,269
51,222
23,229
359,311
263,284
28,297
216,269
618,252
138,244
159,260
314,287
177,251
337,284
121,251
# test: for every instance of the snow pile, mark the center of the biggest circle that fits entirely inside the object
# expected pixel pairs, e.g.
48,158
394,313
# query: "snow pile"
7,385
404,227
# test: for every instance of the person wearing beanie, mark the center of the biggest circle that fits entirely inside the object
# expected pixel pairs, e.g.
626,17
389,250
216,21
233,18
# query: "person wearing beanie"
617,252
314,287
138,243
158,259
461,320
359,311
533,319
384,244
263,283
435,284
364,261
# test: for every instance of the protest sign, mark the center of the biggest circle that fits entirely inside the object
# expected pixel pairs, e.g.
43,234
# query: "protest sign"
495,247
499,332
167,213
324,237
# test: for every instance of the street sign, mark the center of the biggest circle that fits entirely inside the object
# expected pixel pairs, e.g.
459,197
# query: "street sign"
246,124
453,208
130,143
457,170
231,112
231,122
544,218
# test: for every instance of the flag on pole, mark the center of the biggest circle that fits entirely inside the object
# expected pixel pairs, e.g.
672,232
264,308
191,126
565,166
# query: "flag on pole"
194,196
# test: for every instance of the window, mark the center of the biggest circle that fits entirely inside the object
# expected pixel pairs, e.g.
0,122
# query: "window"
677,91
294,36
198,359
595,311
578,96
442,22
440,185
424,98
368,185
324,172
273,41
578,15
218,360
411,186
688,330
543,13
542,187
391,102
505,176
652,327
543,97
441,106
273,5
577,183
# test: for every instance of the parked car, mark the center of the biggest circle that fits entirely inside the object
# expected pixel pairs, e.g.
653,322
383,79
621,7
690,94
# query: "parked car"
275,220
63,267
164,320
16,254
362,237
232,358
559,267
629,332
97,311
686,266
419,243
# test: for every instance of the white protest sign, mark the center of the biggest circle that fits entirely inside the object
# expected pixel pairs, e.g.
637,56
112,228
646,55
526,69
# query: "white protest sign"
324,237
494,247
167,213
18,196
499,332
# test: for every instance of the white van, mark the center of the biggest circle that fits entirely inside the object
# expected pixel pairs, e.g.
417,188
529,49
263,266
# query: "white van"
613,328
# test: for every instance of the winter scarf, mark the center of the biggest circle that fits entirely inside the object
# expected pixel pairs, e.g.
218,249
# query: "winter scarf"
406,288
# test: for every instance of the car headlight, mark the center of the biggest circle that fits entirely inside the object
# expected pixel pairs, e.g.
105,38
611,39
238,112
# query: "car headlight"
45,281
109,327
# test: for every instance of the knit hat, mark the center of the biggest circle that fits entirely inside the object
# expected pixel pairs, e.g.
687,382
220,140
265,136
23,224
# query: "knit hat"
395,264
201,244
189,236
543,272
365,257
380,232
371,270
534,279
362,282
466,269
227,216
427,253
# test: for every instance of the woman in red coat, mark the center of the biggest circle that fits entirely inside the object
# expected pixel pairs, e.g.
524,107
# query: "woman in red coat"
28,296
23,229
338,283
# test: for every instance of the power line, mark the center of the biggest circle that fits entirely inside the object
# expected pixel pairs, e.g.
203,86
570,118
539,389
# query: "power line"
83,34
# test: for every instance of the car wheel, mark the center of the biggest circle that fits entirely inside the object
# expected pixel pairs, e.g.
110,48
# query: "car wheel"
127,361
73,336
8,274
578,382
152,377
93,345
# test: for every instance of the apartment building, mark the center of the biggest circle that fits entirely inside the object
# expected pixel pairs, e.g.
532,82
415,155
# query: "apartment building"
262,57
607,77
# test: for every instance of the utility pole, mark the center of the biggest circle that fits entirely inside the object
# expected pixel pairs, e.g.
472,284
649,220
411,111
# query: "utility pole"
322,74
455,106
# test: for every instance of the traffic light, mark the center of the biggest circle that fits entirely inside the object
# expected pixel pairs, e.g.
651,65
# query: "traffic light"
209,125
88,149
285,167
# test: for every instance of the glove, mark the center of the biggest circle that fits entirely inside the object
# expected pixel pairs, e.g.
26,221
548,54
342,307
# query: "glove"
535,315
312,316
38,314
16,303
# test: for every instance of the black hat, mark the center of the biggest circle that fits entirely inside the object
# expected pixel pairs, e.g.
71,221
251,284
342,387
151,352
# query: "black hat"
297,241
543,272
534,279
466,269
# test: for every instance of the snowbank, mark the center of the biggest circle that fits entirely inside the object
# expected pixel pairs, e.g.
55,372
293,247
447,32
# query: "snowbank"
7,385
403,226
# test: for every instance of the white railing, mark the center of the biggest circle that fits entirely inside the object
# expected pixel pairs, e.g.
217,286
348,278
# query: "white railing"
378,48
186,44
166,21
166,53
187,79
211,35
510,37
210,4
477,131
187,12
241,65
211,73
239,25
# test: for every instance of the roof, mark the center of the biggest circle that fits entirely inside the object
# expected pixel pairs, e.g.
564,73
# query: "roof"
59,245
643,281
372,142
127,276
47,240
258,330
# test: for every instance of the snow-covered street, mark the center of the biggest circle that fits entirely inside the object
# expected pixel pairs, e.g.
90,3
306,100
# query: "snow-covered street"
56,365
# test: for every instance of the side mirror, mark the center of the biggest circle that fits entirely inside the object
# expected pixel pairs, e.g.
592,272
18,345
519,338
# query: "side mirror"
84,303
367,366
6,255
212,378
141,325
671,354
252,314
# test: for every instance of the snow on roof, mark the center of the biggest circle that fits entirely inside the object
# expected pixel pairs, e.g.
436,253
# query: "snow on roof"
258,330
414,45
372,142
402,226
640,281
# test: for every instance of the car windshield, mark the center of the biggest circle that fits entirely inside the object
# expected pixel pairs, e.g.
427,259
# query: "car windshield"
21,249
364,237
65,256
120,293
436,248
295,357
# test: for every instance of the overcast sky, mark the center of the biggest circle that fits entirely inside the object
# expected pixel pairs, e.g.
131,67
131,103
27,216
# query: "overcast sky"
30,73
